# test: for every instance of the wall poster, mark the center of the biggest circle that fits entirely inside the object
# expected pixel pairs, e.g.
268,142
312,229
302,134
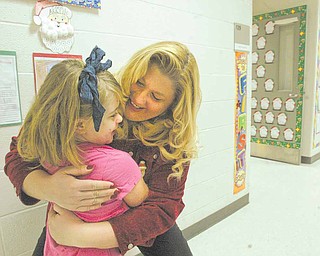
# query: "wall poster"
316,131
83,3
10,109
240,122
43,62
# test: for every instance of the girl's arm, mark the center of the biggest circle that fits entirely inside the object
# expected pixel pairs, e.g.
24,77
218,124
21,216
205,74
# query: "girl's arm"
33,183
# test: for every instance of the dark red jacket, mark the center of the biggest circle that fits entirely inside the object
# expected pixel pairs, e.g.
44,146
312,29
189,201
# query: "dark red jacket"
139,225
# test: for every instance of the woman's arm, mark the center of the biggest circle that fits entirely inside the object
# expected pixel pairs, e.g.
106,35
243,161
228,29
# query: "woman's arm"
137,226
32,184
84,234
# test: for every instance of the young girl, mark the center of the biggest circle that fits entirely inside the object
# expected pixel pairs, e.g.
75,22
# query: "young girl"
74,115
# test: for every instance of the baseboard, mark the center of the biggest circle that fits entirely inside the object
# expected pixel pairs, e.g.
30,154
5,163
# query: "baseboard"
310,160
214,218
206,223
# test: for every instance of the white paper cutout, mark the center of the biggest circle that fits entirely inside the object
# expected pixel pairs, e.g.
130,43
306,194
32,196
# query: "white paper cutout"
255,29
253,130
290,105
260,71
268,85
263,131
261,43
269,27
269,117
264,103
282,119
274,132
269,56
277,104
257,117
254,85
254,102
56,29
255,57
288,134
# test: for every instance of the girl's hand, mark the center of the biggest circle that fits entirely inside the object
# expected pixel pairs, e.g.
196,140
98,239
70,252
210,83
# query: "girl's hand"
64,189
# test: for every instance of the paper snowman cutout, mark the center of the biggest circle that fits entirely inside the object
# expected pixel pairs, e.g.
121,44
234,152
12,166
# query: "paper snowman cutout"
288,134
255,29
268,85
253,130
282,119
277,104
260,71
290,105
254,85
274,132
257,117
254,102
261,43
264,103
269,117
255,57
269,27
263,131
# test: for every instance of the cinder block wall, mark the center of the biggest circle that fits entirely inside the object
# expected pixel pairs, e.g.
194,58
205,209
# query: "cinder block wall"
121,27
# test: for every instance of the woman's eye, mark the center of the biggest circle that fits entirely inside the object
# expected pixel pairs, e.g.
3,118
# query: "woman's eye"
154,97
139,83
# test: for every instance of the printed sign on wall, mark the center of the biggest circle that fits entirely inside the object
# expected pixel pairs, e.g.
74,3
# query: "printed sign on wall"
316,131
240,122
83,3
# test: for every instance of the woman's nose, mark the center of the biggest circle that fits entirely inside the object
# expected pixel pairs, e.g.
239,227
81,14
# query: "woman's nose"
140,98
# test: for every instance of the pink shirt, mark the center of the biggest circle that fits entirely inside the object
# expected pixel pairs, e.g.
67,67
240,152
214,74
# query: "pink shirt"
111,165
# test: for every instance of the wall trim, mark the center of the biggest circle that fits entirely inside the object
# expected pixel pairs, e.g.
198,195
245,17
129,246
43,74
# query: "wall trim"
310,160
206,223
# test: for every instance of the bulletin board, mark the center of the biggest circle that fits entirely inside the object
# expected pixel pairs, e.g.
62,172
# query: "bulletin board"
43,62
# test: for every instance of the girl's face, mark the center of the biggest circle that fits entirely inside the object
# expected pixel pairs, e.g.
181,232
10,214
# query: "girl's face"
109,124
150,96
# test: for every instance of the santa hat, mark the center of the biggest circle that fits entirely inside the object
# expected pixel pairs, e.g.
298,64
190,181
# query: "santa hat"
40,5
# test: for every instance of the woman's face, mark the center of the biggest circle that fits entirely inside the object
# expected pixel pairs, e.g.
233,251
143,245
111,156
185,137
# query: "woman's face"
150,96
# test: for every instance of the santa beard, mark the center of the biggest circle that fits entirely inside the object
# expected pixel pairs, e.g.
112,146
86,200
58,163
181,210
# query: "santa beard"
53,30
55,36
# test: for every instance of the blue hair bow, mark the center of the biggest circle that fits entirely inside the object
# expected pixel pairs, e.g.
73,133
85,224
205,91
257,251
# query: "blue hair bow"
88,84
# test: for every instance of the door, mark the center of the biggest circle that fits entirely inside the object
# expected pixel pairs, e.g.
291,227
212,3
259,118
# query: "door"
278,50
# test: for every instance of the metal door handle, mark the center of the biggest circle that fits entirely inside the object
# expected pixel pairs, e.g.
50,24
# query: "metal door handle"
293,95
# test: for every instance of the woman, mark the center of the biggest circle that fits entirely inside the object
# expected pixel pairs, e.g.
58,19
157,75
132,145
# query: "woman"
161,87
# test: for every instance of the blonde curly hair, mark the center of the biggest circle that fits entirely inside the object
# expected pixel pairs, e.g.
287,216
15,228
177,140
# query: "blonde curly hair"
175,131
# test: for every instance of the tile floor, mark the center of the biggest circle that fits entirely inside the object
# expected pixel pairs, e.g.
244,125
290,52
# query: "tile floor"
282,218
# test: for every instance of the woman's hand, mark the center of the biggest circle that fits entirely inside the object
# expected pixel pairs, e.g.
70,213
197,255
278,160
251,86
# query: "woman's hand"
64,189
67,229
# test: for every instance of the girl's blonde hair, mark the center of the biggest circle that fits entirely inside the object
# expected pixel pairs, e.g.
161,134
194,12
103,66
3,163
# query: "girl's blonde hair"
175,131
48,131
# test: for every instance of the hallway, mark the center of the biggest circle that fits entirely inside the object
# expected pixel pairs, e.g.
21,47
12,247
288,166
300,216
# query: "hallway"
282,218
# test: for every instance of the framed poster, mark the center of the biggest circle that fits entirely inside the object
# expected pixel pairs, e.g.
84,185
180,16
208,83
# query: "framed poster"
83,3
43,62
10,108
